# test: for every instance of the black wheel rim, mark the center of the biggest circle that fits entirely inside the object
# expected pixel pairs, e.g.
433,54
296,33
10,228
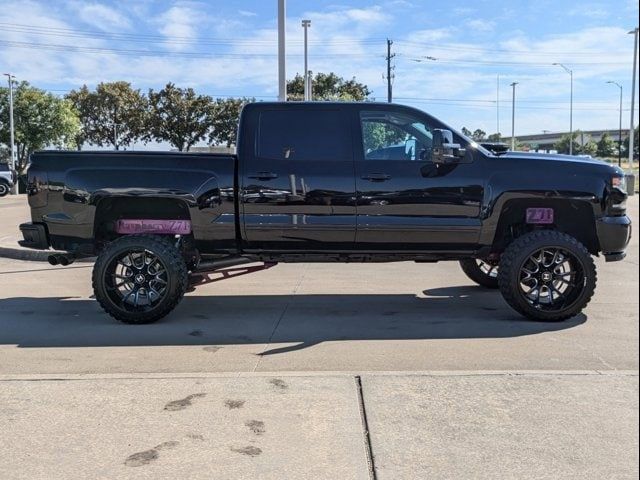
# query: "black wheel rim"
552,279
136,281
3,189
488,269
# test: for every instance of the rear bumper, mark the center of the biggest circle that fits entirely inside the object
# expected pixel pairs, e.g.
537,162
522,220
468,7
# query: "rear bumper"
35,236
614,234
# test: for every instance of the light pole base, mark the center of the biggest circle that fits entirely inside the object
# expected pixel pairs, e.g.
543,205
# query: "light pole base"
631,184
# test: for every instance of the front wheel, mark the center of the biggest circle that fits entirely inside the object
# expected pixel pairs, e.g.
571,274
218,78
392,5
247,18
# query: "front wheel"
139,278
482,272
4,189
547,276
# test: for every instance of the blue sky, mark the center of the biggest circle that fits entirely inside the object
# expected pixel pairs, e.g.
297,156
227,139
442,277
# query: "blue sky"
228,48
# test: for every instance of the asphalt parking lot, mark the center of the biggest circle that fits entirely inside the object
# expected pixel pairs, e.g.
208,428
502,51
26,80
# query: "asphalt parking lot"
314,371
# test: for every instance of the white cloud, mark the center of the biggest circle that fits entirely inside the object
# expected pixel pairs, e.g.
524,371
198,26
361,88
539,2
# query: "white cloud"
479,25
179,25
102,17
247,13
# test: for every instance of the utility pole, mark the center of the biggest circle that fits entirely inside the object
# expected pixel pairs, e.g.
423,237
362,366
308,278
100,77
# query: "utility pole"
307,96
513,117
390,75
282,74
498,106
12,160
633,99
570,72
620,124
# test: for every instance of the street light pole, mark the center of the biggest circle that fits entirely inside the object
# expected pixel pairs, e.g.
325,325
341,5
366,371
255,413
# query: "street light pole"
633,97
12,161
570,72
306,24
620,124
513,117
282,75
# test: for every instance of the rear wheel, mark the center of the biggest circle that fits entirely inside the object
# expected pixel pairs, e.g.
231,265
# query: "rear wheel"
547,276
140,278
481,272
4,188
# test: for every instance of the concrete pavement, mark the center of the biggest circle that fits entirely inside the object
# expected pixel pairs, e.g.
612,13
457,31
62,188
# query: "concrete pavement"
454,384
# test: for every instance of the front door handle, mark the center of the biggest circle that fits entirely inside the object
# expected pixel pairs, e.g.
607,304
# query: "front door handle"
263,176
376,177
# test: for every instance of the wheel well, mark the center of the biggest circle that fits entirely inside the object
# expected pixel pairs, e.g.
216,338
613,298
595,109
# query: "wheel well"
573,217
110,210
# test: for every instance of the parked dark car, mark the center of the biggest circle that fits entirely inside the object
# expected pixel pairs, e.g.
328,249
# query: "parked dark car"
330,182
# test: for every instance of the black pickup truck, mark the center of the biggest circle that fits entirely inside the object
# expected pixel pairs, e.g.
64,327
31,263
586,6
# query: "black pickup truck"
329,182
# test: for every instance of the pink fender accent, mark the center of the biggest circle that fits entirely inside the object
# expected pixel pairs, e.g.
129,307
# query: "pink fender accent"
131,226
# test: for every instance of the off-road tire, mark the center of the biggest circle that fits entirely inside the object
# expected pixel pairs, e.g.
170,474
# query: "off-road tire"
520,250
472,270
177,277
4,188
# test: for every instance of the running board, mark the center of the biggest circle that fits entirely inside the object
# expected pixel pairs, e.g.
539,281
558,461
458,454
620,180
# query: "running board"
200,277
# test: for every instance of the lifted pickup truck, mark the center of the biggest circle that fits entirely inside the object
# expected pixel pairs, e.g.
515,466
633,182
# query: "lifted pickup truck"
329,182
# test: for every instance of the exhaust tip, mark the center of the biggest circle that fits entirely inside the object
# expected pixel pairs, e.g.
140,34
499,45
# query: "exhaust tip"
53,259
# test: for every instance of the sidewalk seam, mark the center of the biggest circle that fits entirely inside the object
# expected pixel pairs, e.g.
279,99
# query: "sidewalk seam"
365,428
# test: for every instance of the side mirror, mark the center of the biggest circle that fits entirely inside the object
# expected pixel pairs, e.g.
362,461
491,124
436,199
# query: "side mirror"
444,150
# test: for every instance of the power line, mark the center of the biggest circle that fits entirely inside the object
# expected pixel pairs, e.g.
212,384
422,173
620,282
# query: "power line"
498,62
162,39
465,48
155,53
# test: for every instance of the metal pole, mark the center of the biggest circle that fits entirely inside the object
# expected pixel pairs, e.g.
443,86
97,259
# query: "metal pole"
620,132
620,123
389,78
282,75
306,24
12,155
571,115
570,72
513,117
633,97
498,106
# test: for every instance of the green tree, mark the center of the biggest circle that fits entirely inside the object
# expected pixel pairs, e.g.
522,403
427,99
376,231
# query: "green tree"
479,135
606,147
226,117
83,103
562,145
466,132
494,137
113,115
329,86
636,143
179,116
41,120
377,135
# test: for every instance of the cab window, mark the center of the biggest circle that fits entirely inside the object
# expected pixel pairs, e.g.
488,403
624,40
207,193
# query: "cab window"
393,136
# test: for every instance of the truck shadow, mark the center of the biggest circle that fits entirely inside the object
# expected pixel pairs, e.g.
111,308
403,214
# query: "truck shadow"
301,320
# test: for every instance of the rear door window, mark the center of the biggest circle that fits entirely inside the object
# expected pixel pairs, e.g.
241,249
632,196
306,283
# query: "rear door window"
304,135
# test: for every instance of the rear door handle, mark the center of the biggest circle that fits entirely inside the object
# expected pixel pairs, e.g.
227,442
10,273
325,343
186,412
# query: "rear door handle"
376,177
263,176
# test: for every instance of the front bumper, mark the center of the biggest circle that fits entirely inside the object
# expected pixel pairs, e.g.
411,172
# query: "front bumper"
614,234
35,236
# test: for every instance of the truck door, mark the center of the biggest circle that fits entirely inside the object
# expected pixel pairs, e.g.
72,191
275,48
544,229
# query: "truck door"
404,200
297,179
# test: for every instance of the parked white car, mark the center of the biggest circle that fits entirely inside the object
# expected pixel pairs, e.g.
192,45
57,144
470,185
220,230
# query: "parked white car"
6,179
